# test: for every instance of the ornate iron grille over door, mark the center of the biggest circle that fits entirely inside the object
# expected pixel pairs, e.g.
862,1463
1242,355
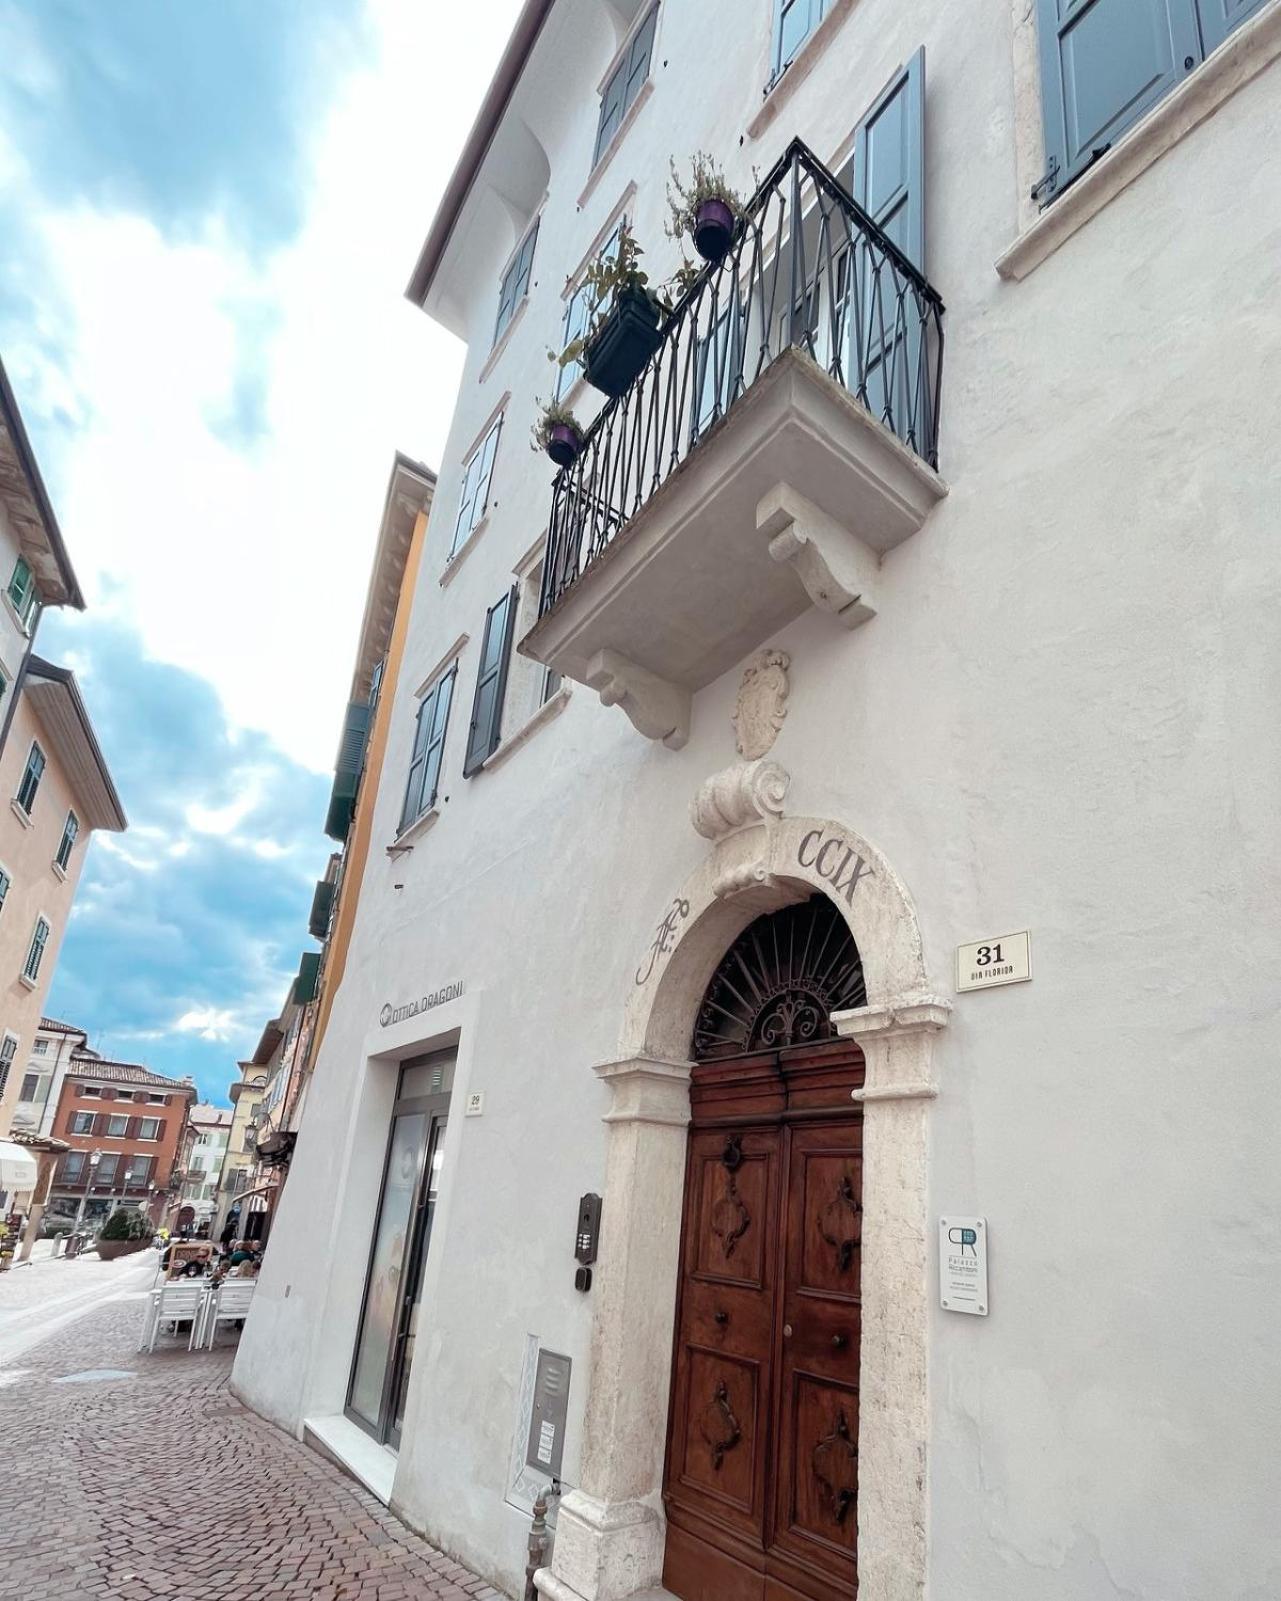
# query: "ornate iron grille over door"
780,982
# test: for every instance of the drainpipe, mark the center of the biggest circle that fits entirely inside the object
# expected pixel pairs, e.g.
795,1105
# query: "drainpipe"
16,687
539,1540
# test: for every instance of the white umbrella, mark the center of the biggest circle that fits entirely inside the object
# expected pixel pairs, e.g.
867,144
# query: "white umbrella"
18,1168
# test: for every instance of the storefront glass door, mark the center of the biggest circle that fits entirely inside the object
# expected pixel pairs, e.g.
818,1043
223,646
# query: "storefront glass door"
401,1238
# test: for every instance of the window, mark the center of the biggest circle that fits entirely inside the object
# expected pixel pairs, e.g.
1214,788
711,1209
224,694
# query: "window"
71,1168
794,21
1105,63
108,1167
117,1127
625,83
40,1048
39,939
8,1049
69,831
91,1090
718,369
157,1100
578,311
23,593
5,881
149,1128
515,284
479,472
491,682
30,1087
529,684
31,779
424,764
82,1122
138,1173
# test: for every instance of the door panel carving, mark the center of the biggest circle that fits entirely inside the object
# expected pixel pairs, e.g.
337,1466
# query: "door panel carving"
762,1477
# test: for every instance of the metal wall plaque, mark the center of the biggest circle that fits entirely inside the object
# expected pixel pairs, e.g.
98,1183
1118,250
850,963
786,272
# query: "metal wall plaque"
546,1444
963,1264
1005,959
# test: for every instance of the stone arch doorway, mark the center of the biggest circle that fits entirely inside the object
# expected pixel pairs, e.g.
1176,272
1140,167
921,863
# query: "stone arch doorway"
611,1535
760,1486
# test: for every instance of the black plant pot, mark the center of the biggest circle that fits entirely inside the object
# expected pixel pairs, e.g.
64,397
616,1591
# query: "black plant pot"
713,229
628,337
564,443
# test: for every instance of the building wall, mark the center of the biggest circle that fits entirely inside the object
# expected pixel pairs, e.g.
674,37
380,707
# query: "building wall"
13,632
1062,718
37,887
164,1150
37,1113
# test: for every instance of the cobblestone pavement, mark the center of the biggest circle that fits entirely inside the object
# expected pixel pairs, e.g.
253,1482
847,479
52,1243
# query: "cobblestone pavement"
136,1477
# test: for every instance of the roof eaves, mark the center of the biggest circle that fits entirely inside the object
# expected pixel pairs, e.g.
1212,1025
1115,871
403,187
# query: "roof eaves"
17,428
493,108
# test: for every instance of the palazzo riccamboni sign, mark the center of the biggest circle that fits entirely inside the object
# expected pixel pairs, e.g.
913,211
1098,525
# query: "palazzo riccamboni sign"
397,1014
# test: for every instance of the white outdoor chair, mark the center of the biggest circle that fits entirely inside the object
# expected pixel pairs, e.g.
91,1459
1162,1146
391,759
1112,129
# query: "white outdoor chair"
228,1302
172,1302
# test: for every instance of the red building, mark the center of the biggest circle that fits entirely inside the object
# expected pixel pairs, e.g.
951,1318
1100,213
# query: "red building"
126,1126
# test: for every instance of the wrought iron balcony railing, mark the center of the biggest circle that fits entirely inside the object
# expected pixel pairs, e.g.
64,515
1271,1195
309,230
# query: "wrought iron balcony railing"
808,269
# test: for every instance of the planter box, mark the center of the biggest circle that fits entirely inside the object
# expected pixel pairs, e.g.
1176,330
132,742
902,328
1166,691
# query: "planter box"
628,337
109,1250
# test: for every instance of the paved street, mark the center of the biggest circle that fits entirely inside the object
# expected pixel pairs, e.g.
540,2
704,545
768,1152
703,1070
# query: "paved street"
135,1477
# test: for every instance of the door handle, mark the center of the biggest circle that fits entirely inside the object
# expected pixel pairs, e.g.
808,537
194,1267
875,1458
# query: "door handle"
787,1331
840,1341
721,1317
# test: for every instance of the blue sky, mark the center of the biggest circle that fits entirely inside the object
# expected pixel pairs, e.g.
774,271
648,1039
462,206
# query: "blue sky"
208,212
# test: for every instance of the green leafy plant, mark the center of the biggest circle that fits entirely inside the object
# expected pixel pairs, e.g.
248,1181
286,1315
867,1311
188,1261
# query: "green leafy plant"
606,279
706,182
551,414
126,1223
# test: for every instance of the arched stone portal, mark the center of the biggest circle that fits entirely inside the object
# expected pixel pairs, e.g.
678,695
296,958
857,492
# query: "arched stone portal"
610,1539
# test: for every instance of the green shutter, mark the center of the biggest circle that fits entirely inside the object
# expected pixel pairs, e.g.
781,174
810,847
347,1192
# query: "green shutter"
322,906
491,683
347,770
308,980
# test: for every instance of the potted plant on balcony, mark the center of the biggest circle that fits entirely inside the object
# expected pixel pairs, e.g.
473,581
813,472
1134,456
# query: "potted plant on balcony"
623,326
558,432
127,1230
705,209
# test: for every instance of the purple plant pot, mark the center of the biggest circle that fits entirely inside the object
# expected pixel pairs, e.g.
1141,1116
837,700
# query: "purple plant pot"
564,444
713,229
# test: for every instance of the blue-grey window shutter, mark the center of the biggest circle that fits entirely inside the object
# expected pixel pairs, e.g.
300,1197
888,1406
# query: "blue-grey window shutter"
491,683
889,183
1103,64
1220,17
889,161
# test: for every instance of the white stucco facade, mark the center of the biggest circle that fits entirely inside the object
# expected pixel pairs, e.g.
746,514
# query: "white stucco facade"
1061,718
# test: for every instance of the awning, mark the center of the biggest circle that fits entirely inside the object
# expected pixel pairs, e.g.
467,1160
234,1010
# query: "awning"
19,1170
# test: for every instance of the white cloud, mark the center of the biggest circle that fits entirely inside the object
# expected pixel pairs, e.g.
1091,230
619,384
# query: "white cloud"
209,1023
246,561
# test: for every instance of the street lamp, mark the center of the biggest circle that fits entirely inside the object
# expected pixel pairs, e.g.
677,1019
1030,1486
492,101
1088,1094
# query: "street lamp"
94,1158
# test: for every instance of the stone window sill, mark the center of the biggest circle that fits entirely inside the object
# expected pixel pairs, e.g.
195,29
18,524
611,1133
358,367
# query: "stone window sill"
24,817
464,550
1239,59
59,872
800,67
551,708
23,627
504,339
416,829
620,133
27,983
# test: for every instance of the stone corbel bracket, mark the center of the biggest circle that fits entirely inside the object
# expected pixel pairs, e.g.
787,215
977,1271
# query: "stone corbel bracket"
729,809
658,709
897,1042
837,569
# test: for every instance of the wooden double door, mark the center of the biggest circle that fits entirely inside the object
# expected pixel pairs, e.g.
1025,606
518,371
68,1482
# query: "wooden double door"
761,1483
